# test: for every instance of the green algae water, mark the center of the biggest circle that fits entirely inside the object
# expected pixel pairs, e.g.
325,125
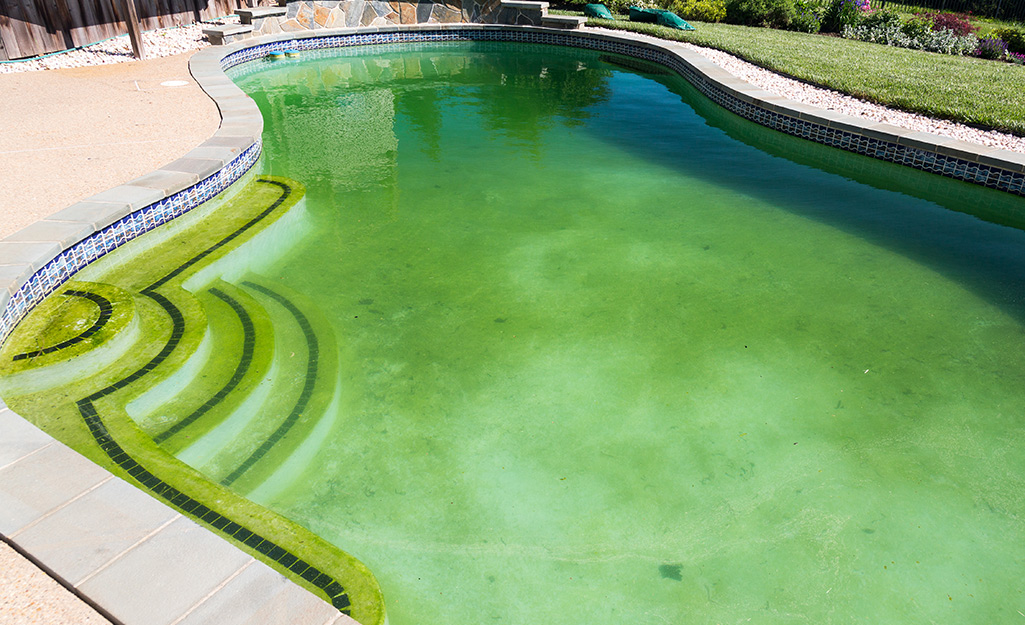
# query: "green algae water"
601,352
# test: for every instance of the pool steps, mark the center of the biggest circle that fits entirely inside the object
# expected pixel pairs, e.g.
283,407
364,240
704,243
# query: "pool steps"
47,371
43,483
234,367
195,311
306,381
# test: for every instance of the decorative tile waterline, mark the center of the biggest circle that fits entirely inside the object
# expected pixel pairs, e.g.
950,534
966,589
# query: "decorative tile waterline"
32,269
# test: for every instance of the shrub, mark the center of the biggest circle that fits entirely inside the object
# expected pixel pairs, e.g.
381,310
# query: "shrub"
807,16
886,33
700,10
991,48
842,13
949,42
892,33
918,28
1014,38
881,18
771,13
958,23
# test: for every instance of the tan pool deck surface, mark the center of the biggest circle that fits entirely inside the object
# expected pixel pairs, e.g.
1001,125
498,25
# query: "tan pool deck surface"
69,134
66,135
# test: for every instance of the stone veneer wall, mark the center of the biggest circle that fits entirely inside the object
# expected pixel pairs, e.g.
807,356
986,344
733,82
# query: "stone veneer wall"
322,14
307,15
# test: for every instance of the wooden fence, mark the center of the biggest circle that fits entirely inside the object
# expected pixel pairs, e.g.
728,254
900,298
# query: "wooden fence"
34,27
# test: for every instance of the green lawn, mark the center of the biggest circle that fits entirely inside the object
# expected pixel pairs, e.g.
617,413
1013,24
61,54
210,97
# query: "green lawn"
982,93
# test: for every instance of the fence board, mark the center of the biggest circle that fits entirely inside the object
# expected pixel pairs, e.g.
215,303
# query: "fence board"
30,28
29,32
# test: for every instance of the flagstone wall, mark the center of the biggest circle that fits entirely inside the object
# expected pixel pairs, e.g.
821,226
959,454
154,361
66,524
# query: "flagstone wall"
305,15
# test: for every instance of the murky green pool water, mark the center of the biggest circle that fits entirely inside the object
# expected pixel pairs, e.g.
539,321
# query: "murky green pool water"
604,363
607,354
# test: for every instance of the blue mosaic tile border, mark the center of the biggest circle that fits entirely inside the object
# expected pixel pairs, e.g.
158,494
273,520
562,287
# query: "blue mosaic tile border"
950,166
60,269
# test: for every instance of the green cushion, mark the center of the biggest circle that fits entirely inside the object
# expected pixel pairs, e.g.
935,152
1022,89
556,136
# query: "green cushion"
638,14
672,20
598,10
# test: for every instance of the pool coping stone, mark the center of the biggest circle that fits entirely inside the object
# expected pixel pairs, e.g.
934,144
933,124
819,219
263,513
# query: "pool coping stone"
91,531
197,561
235,588
34,253
169,181
126,554
130,195
98,214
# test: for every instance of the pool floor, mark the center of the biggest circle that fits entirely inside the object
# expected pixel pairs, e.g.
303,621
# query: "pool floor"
583,355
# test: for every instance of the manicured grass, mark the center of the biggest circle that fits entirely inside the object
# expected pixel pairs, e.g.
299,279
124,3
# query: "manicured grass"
981,93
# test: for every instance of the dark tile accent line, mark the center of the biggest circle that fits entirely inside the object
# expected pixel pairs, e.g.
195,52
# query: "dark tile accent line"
287,191
106,309
86,407
248,345
312,365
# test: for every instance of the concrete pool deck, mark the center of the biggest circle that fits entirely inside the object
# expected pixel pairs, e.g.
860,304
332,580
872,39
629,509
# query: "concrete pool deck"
66,135
162,534
70,134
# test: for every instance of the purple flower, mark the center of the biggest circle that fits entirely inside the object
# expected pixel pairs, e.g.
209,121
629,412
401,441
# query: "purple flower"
991,48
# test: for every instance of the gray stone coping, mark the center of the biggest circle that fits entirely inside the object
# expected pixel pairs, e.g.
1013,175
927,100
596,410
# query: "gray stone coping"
564,20
259,13
132,558
140,562
525,4
228,29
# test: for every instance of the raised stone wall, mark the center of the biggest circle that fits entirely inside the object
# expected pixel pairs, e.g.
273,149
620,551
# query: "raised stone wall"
306,15
320,14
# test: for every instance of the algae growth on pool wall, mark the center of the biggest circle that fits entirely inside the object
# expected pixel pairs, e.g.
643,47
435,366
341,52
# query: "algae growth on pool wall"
553,339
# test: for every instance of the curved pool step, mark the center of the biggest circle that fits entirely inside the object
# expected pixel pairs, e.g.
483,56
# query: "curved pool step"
96,324
249,448
238,358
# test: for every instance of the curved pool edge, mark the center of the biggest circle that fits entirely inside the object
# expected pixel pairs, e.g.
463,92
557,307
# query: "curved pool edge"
41,479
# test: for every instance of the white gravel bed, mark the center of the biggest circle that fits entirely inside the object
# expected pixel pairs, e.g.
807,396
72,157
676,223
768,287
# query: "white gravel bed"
162,42
834,101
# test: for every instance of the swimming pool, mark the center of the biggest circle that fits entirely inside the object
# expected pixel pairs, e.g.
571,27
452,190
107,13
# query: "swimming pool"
633,371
